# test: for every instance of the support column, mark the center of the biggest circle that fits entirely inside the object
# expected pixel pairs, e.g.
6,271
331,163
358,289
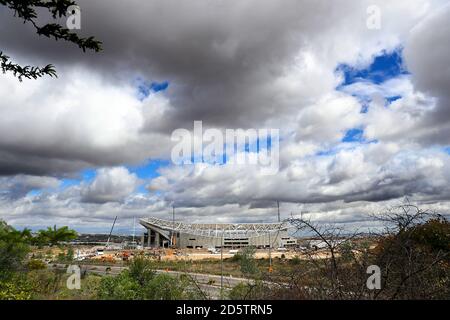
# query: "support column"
149,237
156,239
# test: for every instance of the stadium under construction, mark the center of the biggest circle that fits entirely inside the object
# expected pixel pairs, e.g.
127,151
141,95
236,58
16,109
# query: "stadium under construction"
163,233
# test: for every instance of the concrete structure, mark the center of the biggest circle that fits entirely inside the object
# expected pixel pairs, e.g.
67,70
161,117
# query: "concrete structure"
163,233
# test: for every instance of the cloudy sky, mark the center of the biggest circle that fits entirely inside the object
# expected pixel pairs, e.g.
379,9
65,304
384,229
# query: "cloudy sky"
363,113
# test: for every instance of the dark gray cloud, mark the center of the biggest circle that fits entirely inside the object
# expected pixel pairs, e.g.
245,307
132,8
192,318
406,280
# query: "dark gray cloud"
14,188
427,54
223,59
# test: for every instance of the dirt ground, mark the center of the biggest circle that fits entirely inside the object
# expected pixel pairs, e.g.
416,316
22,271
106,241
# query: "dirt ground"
202,255
174,254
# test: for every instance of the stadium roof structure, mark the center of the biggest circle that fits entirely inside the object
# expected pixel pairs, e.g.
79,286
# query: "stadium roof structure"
216,229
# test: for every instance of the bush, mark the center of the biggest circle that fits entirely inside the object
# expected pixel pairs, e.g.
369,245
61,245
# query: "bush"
416,261
44,282
141,270
90,286
36,264
247,262
248,291
140,281
121,287
165,287
66,256
15,288
295,260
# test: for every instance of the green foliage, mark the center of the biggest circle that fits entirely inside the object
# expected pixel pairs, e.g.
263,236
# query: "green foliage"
36,264
27,12
434,235
89,286
141,282
141,270
61,257
248,291
120,287
165,287
66,256
247,261
44,282
346,251
235,258
239,292
415,261
13,247
70,254
88,291
295,260
159,287
38,241
54,236
129,284
15,288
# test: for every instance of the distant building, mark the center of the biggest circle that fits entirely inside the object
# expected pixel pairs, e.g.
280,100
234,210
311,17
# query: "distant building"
163,233
320,244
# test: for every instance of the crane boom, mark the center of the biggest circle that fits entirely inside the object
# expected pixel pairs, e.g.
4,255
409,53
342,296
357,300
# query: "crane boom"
112,227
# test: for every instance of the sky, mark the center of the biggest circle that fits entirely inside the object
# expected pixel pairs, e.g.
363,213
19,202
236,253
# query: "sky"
363,113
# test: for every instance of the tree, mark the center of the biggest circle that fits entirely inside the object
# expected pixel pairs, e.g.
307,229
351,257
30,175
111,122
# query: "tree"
54,236
13,247
415,258
412,253
141,270
26,11
334,266
247,262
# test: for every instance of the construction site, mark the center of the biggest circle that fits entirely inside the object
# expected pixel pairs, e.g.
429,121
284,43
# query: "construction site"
178,241
163,233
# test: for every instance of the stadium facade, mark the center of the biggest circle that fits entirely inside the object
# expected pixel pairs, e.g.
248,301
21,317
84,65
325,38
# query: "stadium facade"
163,233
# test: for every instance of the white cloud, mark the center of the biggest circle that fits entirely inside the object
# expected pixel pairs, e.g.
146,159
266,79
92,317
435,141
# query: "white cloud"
86,122
110,185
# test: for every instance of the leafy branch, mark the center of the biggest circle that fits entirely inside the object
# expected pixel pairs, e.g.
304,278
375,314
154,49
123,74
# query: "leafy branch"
28,72
26,11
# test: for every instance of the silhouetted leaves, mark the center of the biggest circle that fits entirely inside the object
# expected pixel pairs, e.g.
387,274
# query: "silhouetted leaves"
26,10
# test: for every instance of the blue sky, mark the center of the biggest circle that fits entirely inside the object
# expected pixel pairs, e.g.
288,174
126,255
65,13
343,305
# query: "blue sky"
383,67
144,171
145,88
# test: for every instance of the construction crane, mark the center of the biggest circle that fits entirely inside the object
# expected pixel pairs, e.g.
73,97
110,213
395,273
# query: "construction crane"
109,237
173,239
278,205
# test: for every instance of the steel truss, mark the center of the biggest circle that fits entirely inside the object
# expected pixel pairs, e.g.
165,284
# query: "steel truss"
229,230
